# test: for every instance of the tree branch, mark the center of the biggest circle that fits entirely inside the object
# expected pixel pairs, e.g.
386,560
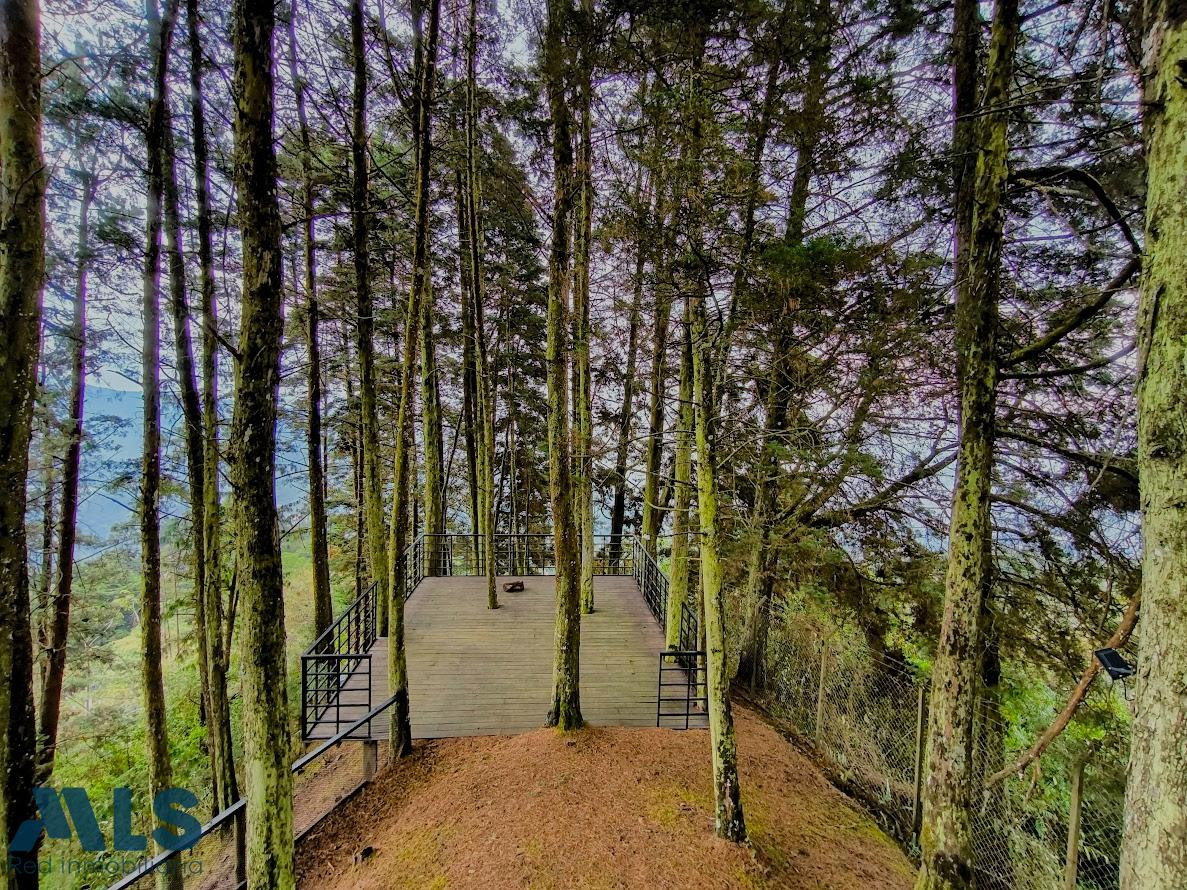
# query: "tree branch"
1119,638
1074,320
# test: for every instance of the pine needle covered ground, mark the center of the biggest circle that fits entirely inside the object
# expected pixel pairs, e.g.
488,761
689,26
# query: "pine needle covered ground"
603,808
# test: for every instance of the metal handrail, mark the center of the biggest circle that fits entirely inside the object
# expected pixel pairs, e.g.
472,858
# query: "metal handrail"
364,604
224,816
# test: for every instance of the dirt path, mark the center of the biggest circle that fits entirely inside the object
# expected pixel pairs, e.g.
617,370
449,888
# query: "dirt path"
606,808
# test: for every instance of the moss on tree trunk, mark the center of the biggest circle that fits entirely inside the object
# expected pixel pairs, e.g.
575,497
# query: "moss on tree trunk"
22,270
401,724
1154,848
565,711
259,575
948,799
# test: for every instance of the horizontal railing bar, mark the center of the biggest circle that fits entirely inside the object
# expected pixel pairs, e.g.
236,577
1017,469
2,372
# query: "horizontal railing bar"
224,815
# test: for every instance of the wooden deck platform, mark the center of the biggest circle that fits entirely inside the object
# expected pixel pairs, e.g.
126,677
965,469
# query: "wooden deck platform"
473,671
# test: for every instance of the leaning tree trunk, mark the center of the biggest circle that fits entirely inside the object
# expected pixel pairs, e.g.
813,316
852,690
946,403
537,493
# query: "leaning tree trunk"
565,712
682,481
323,607
59,619
22,270
259,575
1153,853
365,329
401,724
946,832
218,710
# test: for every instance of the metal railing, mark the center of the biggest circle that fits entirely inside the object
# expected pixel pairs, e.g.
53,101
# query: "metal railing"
681,670
653,583
223,862
338,665
514,554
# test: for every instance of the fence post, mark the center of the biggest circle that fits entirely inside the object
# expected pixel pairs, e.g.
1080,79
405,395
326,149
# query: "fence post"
240,829
820,693
920,749
1072,862
370,759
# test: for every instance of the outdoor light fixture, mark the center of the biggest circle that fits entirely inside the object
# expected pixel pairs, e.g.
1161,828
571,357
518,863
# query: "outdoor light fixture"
1114,664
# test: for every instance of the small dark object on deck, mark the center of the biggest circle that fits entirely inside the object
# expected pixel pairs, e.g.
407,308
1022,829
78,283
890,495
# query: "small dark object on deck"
513,587
363,855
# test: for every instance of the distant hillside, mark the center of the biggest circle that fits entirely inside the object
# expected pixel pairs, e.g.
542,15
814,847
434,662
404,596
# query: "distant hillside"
111,465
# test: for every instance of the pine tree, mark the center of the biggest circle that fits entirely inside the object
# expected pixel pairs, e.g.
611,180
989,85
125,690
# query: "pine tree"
22,270
565,712
259,576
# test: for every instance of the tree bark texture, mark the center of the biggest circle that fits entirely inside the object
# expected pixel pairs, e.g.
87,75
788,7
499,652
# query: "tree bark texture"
365,329
218,710
401,724
22,272
160,768
948,799
259,576
565,712
1154,847
729,820
323,607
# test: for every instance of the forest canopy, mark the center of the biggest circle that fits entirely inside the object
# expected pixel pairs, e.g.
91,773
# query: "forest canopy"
864,321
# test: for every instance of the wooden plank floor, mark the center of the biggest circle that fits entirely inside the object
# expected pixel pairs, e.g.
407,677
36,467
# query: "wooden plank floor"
473,671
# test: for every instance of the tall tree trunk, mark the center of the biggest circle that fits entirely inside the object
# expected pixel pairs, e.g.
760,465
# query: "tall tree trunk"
565,712
368,401
1153,855
323,607
195,439
218,709
45,581
259,574
59,618
582,379
160,771
682,481
763,560
482,365
22,270
729,819
946,833
626,415
653,498
401,724
434,439
469,367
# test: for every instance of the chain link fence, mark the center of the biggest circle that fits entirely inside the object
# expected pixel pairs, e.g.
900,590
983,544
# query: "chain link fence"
1056,825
